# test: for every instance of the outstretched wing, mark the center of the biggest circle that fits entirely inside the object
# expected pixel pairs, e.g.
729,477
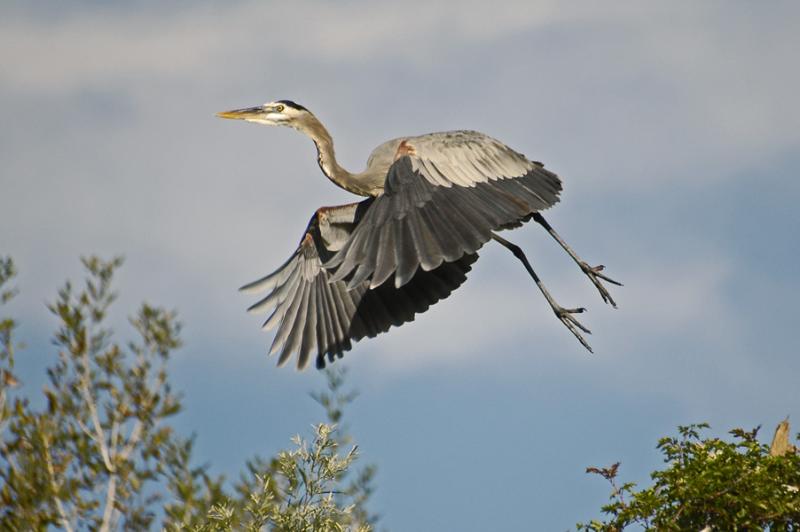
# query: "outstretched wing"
314,315
442,200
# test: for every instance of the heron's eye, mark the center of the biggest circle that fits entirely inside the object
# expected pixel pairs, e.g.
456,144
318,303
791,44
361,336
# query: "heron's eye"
280,108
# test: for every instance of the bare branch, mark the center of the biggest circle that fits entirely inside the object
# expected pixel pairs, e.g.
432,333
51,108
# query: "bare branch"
108,511
98,428
133,439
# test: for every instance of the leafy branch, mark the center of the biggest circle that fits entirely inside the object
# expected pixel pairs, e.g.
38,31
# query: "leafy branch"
726,485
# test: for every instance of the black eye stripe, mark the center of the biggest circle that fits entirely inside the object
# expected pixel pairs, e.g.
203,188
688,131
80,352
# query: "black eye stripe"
293,105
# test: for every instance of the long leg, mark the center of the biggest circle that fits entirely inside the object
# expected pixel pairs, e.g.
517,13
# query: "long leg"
565,315
593,272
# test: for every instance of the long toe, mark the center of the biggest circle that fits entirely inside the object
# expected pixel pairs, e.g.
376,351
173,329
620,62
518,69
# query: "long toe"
595,275
571,322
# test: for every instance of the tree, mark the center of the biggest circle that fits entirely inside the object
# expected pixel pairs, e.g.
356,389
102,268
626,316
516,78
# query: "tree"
308,488
298,493
102,455
710,484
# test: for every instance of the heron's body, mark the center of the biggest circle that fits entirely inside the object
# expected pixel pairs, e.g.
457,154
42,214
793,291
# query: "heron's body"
432,201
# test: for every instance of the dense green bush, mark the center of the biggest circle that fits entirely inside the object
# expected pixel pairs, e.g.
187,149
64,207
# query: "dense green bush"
723,485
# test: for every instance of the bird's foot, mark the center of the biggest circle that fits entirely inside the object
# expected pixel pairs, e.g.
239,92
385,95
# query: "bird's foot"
595,275
565,315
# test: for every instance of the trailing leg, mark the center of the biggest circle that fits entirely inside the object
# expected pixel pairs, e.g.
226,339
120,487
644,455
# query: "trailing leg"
593,272
565,315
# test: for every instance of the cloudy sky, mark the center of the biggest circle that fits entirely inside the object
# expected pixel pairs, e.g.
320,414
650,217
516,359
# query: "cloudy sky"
676,129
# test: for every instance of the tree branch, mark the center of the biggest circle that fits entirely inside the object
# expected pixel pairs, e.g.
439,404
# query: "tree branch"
98,428
108,512
51,475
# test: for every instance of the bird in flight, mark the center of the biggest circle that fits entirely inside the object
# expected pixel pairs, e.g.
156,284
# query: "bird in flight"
431,202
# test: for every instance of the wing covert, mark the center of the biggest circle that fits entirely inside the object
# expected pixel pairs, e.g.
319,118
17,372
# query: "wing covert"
466,158
437,206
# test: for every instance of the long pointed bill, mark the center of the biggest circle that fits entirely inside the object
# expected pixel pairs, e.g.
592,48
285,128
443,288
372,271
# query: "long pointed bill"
243,114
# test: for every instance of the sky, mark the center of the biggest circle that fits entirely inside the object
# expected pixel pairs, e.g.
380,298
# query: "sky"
674,126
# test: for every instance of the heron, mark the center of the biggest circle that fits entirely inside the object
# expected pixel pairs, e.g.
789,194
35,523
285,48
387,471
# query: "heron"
431,202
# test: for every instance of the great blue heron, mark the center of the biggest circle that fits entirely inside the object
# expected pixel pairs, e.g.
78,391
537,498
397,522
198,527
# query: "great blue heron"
432,201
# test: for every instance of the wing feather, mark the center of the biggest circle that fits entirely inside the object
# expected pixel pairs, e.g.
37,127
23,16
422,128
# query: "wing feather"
455,217
387,257
445,238
407,260
316,315
289,332
428,253
324,323
275,278
282,336
281,309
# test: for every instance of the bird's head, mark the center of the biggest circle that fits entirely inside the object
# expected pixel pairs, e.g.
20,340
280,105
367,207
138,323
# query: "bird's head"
280,113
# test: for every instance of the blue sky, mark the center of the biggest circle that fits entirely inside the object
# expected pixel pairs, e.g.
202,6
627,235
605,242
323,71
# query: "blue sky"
676,129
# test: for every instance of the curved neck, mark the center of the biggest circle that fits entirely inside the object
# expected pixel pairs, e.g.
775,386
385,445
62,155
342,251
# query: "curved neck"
313,128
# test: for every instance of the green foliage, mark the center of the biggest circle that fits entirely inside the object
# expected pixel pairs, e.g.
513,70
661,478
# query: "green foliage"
194,492
299,495
734,485
358,489
7,326
102,455
87,460
307,488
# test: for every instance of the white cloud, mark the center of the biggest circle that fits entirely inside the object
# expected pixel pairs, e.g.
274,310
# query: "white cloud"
108,46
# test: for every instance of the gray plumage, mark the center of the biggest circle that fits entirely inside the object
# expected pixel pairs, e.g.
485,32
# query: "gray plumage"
419,222
316,315
432,201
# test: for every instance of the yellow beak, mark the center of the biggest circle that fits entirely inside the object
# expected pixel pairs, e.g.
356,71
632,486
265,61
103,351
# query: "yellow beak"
242,114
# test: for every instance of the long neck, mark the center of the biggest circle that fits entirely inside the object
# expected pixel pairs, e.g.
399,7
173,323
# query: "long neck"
326,157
